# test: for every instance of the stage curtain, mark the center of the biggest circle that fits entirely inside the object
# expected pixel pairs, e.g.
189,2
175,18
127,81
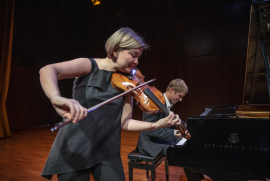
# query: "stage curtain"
6,35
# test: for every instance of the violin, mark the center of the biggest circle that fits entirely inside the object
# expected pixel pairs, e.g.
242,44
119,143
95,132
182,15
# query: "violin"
66,121
149,99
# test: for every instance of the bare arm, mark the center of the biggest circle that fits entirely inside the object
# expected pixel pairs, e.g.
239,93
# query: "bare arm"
49,76
64,70
127,123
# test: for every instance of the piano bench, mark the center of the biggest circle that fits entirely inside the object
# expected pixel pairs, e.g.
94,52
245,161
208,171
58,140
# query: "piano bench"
141,161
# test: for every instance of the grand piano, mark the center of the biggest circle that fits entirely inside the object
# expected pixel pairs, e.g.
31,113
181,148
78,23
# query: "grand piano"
232,143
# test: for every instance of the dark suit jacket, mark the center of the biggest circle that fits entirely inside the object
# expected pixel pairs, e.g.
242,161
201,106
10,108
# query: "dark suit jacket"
152,142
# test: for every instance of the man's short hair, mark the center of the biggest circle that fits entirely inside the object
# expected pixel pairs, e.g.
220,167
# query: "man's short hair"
179,86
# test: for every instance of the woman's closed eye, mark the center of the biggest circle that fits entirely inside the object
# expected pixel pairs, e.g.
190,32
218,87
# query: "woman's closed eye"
133,55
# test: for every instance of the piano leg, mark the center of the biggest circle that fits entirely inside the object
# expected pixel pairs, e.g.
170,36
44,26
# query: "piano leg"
193,176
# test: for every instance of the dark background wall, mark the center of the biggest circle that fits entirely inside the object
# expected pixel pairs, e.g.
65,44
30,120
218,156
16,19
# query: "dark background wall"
202,42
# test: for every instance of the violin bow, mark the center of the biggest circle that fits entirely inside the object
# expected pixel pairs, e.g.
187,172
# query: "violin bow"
67,121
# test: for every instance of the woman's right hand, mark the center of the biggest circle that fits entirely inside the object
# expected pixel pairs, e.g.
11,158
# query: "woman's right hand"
69,108
171,120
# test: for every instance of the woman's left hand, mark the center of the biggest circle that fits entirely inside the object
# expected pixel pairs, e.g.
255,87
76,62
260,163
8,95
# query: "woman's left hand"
171,120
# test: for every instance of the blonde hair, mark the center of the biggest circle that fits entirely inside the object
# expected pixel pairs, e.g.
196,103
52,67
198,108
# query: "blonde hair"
179,86
124,39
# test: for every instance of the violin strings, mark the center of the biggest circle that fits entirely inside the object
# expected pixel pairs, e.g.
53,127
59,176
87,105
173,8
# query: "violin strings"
153,97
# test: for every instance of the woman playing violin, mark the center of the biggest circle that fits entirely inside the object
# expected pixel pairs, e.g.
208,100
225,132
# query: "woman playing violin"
92,143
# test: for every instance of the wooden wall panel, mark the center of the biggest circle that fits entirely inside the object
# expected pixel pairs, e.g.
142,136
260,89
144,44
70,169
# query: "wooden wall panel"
40,111
212,80
203,43
26,104
17,99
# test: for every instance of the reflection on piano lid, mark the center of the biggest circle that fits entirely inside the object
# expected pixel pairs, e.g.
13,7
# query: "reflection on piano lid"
253,111
225,145
257,82
220,112
244,111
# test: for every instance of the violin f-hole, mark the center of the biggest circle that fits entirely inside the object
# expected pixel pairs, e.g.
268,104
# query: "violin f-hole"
129,87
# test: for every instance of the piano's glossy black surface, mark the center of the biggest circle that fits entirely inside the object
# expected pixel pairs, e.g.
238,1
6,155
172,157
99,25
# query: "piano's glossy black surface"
232,143
226,148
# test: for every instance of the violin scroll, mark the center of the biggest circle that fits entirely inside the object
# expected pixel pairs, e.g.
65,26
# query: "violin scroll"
183,131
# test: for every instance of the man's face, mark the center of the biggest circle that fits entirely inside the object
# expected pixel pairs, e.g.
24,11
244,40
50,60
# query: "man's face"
176,96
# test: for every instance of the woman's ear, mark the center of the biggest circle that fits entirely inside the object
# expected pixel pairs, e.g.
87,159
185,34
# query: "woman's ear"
115,52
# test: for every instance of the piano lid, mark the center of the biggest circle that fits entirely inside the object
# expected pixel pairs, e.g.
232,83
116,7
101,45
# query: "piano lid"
257,82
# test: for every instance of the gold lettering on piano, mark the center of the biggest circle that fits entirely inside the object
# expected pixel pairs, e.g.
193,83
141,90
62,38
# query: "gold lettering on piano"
234,139
236,147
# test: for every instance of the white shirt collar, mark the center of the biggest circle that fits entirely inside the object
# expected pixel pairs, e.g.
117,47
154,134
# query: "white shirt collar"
168,104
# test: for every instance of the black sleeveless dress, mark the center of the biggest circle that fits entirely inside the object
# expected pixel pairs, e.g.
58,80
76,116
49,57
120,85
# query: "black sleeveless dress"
94,139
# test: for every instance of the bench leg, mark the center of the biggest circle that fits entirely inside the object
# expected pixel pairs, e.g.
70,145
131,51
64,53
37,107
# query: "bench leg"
166,169
153,172
147,171
130,171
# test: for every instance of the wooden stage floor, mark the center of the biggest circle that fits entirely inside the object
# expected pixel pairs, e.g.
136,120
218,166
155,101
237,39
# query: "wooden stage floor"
23,155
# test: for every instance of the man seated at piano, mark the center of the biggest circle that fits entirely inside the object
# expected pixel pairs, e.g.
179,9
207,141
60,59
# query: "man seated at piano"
156,142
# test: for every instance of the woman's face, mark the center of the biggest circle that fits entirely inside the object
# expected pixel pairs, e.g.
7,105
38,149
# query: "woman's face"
128,59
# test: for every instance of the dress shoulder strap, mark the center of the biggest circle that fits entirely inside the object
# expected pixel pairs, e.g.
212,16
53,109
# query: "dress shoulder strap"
83,80
94,65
